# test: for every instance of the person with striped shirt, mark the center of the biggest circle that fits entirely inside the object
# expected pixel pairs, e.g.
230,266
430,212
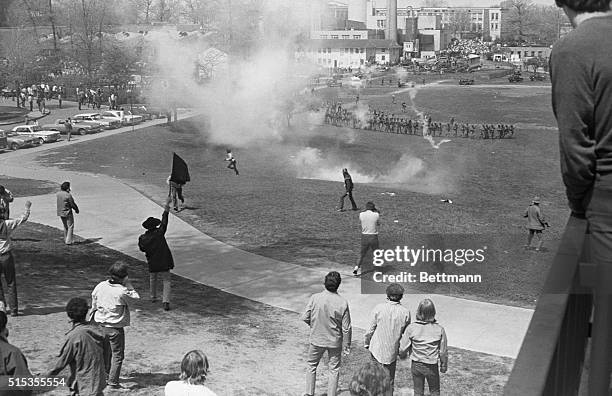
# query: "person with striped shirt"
389,320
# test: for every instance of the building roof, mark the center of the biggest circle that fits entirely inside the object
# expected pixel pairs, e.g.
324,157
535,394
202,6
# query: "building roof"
351,43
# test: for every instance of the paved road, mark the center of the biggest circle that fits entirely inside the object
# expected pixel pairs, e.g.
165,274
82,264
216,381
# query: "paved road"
112,213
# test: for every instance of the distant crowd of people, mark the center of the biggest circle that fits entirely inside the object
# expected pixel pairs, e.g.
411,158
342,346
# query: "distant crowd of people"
381,121
468,46
26,96
93,98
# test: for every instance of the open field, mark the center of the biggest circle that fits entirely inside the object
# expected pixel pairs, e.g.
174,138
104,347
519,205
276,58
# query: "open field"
245,341
282,204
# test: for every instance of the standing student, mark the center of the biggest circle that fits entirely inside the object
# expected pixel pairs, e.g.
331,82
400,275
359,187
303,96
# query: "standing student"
65,206
425,341
581,98
348,191
232,161
370,220
159,258
329,318
110,301
68,123
535,223
7,261
388,324
176,194
14,363
85,351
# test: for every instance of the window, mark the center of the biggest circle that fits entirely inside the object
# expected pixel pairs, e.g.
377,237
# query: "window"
496,26
383,58
383,49
361,51
526,52
324,37
352,49
532,53
346,36
334,36
540,54
329,50
357,36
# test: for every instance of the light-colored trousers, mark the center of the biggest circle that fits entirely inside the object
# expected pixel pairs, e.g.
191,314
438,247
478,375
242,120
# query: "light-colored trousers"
315,353
165,278
68,222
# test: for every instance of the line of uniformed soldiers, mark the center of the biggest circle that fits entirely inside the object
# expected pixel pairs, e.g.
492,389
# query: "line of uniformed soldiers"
381,121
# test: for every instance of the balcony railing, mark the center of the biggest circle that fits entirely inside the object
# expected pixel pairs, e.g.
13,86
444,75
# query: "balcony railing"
551,359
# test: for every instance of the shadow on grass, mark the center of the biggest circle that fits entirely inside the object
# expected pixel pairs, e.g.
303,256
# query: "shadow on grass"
87,241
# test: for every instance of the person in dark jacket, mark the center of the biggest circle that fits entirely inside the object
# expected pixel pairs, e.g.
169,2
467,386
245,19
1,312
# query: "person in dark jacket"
153,243
581,79
12,362
85,350
535,223
348,186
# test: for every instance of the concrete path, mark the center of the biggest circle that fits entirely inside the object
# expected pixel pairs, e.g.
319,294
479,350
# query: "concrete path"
112,213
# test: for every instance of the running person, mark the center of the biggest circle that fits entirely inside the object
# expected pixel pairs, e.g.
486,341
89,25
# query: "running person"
232,161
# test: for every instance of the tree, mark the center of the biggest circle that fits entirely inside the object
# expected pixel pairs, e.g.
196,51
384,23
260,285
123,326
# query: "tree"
520,18
459,21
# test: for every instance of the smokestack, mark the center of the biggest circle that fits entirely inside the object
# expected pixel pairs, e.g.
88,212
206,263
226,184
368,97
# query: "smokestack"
391,32
357,10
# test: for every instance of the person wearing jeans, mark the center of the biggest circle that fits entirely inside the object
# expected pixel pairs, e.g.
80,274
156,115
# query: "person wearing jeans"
110,307
65,206
159,258
327,314
425,341
7,261
370,221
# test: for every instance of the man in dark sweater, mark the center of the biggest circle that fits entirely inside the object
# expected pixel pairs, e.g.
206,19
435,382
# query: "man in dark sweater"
153,244
348,187
581,75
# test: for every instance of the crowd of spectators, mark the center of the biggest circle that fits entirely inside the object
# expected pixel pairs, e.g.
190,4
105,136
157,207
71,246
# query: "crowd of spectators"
465,47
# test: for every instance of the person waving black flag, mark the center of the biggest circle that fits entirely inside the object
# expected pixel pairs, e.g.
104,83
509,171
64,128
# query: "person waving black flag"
178,177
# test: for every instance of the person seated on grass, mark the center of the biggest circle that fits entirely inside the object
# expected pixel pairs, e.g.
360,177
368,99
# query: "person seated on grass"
85,350
371,380
194,369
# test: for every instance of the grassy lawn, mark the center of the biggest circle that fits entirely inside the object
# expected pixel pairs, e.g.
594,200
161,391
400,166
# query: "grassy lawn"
254,349
282,204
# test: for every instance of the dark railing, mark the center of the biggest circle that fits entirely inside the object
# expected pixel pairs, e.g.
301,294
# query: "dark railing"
551,359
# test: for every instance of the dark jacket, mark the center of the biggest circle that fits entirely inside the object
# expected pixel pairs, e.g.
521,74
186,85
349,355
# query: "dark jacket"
348,184
13,364
153,244
85,351
535,219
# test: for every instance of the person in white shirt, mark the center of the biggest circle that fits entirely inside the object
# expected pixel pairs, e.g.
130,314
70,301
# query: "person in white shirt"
370,220
194,369
232,161
109,305
7,262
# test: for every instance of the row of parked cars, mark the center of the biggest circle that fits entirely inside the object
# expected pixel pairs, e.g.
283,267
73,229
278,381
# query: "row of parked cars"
23,136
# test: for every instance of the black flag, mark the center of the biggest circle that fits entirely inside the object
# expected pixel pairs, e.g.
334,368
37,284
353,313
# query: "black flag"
180,173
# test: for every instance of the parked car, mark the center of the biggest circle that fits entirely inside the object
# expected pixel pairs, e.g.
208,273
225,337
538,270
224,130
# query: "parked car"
466,82
515,77
3,140
16,141
146,109
122,116
537,77
78,127
96,118
37,132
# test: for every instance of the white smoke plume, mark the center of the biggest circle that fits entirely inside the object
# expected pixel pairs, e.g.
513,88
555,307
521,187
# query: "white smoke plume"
408,172
412,94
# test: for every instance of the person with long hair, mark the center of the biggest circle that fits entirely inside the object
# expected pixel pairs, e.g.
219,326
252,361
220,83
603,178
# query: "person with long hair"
425,341
194,370
371,380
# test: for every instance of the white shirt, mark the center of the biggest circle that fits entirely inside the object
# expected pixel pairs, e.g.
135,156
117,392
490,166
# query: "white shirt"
369,222
182,388
6,228
110,301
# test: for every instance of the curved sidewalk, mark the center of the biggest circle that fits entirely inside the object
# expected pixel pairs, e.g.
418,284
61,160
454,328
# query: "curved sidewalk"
112,213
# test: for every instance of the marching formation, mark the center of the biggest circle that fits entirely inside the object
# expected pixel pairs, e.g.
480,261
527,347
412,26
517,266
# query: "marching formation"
381,121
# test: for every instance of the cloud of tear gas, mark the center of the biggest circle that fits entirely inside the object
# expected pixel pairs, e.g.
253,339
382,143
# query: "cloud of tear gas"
409,172
244,100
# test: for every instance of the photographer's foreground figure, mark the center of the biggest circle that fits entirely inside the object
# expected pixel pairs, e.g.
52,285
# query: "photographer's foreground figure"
582,97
